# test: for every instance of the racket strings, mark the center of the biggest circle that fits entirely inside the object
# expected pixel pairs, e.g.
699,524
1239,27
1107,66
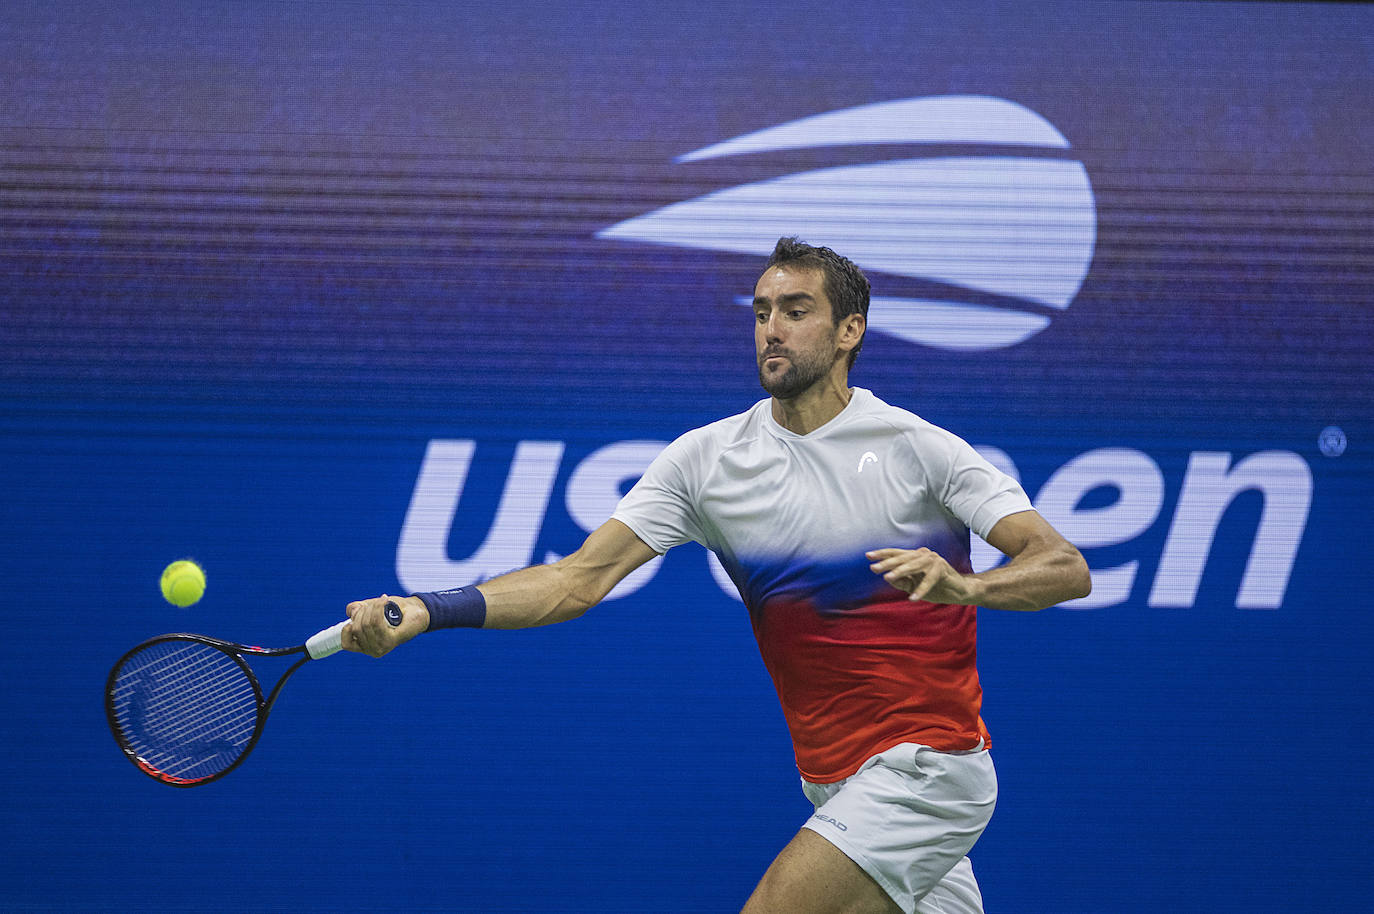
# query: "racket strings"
186,709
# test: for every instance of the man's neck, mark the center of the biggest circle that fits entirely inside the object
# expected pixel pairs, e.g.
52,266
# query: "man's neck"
815,406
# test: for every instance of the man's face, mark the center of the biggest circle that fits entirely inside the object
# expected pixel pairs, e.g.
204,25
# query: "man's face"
794,331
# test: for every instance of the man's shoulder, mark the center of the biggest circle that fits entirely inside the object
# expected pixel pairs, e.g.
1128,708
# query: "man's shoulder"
727,431
925,439
694,452
898,418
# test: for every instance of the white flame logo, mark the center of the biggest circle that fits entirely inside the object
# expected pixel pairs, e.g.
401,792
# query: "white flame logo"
1019,228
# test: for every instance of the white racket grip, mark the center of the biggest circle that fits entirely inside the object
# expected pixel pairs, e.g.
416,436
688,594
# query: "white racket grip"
330,641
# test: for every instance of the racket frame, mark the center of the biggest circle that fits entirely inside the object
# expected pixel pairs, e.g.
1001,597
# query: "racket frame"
324,643
235,652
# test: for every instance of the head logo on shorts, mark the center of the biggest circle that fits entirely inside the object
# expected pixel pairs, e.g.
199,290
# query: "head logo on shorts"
991,245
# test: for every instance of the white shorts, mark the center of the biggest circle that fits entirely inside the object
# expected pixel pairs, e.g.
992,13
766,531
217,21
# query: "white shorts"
908,817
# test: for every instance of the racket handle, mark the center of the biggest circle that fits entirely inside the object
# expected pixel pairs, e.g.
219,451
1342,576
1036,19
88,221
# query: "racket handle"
323,644
330,641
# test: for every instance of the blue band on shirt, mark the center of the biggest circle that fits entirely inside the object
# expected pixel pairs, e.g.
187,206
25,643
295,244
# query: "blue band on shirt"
461,607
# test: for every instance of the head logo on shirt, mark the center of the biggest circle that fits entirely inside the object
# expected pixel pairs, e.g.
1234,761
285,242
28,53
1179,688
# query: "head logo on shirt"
984,225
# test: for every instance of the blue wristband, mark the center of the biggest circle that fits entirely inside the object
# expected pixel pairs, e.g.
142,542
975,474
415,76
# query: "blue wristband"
461,607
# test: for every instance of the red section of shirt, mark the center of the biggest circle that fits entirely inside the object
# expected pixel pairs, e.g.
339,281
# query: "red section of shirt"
856,682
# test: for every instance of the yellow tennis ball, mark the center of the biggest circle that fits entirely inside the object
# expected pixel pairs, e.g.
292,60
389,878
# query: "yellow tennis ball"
183,583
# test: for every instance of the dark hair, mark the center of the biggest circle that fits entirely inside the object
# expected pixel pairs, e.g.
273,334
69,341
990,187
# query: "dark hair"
845,284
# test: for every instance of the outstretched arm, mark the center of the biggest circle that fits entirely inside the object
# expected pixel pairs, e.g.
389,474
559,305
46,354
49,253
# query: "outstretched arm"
1045,569
539,595
544,594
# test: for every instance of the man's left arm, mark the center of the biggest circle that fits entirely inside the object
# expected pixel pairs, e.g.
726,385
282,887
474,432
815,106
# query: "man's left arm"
1045,569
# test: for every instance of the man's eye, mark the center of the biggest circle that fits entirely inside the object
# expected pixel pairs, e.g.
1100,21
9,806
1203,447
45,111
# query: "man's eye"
796,315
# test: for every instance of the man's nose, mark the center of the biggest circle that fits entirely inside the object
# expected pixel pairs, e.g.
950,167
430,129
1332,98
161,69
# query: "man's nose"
772,330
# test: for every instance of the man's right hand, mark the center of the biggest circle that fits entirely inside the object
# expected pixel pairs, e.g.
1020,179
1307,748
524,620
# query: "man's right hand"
369,632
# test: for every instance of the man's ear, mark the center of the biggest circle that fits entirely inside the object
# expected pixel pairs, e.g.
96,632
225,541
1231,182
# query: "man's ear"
851,332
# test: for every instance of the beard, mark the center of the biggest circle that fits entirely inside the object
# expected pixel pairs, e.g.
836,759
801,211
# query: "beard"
803,370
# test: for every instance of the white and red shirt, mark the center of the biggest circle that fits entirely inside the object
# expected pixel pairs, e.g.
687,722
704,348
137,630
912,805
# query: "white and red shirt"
858,667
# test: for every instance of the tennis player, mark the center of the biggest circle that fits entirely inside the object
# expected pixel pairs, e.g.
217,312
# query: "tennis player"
845,523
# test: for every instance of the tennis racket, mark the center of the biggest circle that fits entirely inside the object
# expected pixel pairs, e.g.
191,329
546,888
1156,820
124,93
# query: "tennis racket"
187,709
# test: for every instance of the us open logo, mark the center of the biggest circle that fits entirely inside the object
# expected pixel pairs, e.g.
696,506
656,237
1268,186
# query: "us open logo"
995,245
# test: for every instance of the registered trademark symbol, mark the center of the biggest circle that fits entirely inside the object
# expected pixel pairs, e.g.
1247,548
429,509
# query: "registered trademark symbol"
1332,441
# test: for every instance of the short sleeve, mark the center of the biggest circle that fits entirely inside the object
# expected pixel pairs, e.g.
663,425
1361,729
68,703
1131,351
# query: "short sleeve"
659,508
977,492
